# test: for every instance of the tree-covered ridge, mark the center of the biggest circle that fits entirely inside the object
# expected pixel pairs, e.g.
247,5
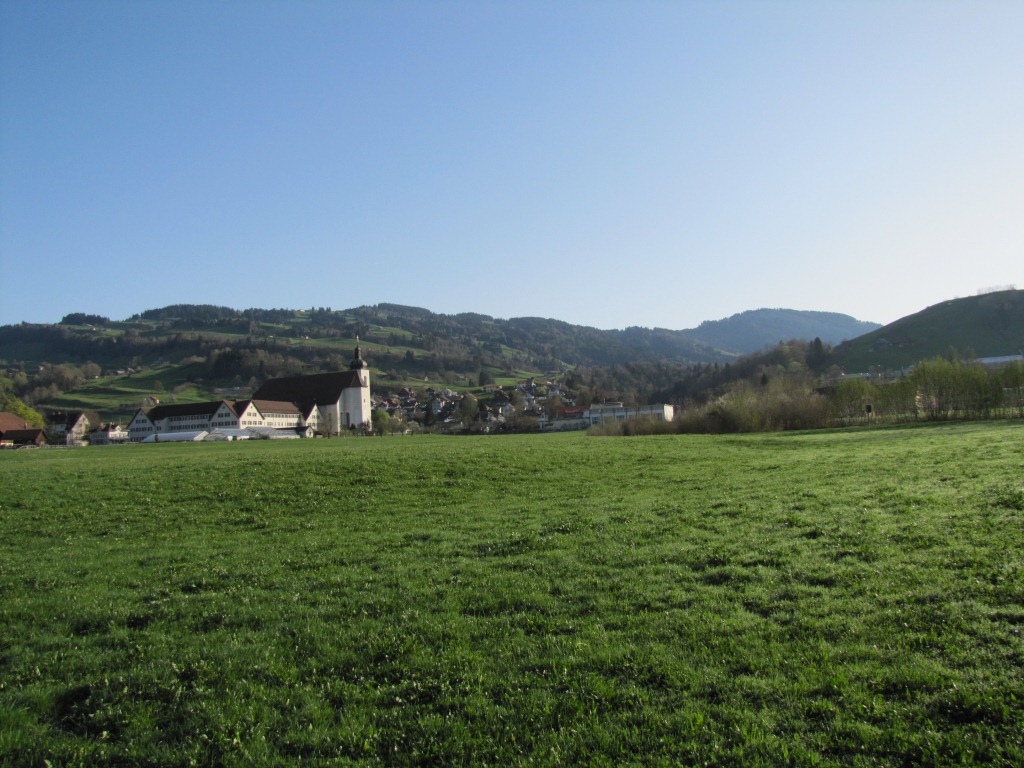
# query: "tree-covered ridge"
540,343
81,318
753,330
190,352
399,337
987,325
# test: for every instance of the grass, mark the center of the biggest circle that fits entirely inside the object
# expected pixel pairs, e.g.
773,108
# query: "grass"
119,397
833,598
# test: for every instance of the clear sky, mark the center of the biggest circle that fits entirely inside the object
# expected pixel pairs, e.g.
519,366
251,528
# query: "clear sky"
604,163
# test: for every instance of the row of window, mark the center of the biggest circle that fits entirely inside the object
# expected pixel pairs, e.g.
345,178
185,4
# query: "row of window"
143,426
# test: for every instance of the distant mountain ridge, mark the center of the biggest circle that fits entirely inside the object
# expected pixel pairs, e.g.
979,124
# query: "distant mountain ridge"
755,329
199,352
398,330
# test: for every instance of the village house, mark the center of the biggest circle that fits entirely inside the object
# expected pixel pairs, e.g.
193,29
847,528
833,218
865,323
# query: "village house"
108,434
17,438
16,432
67,427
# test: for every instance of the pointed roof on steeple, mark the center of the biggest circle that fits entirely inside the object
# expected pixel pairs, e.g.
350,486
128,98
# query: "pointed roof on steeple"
357,359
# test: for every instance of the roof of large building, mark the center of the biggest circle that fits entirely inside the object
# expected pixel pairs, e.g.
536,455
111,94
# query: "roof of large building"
318,388
239,406
192,436
18,436
11,421
266,406
158,412
276,406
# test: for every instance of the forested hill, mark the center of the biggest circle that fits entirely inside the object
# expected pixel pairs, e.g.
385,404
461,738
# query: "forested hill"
199,352
404,335
756,329
987,325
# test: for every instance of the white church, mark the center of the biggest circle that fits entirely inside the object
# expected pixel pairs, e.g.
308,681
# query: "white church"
322,403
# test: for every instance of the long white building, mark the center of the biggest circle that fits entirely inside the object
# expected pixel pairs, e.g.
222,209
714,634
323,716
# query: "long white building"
599,413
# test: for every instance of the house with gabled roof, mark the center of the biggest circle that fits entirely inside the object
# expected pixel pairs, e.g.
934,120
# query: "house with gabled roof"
108,434
15,432
275,414
68,427
226,416
140,427
16,438
312,418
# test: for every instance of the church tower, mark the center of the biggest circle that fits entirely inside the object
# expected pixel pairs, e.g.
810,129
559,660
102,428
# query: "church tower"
356,405
358,364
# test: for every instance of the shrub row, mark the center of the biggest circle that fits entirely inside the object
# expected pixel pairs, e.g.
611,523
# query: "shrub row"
936,390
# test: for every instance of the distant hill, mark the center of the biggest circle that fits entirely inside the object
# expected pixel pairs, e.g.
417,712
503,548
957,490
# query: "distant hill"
186,353
989,325
406,337
756,329
190,352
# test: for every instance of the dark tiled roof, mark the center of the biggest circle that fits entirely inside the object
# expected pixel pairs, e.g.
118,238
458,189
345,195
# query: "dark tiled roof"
320,388
67,418
23,436
275,406
158,412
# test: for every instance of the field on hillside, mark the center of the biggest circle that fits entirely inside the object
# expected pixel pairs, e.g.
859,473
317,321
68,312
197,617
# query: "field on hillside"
830,598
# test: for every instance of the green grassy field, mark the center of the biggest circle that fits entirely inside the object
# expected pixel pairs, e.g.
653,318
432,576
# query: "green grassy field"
832,598
119,397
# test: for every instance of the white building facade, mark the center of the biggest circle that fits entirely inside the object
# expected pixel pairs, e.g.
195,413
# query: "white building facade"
599,413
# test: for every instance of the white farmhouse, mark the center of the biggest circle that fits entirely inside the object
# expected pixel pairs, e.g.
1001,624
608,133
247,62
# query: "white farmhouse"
108,434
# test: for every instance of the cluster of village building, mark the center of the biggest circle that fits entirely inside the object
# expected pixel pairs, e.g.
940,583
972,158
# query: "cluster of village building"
445,411
324,404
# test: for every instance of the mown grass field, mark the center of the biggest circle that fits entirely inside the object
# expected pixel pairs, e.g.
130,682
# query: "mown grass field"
833,598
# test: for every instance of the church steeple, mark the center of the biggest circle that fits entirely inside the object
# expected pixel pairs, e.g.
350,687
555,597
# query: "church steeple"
357,359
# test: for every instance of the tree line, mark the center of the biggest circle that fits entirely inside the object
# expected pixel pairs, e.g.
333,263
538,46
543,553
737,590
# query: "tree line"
791,396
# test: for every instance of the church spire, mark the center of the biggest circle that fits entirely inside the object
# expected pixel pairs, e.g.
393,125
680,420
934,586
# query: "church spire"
357,359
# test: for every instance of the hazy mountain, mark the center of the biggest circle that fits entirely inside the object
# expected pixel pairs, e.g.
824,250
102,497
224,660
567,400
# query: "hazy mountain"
757,329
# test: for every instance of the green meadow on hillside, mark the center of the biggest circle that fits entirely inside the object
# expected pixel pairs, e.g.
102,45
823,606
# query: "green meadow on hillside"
831,598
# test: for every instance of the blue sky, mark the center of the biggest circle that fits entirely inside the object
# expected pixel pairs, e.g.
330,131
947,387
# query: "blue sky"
604,163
